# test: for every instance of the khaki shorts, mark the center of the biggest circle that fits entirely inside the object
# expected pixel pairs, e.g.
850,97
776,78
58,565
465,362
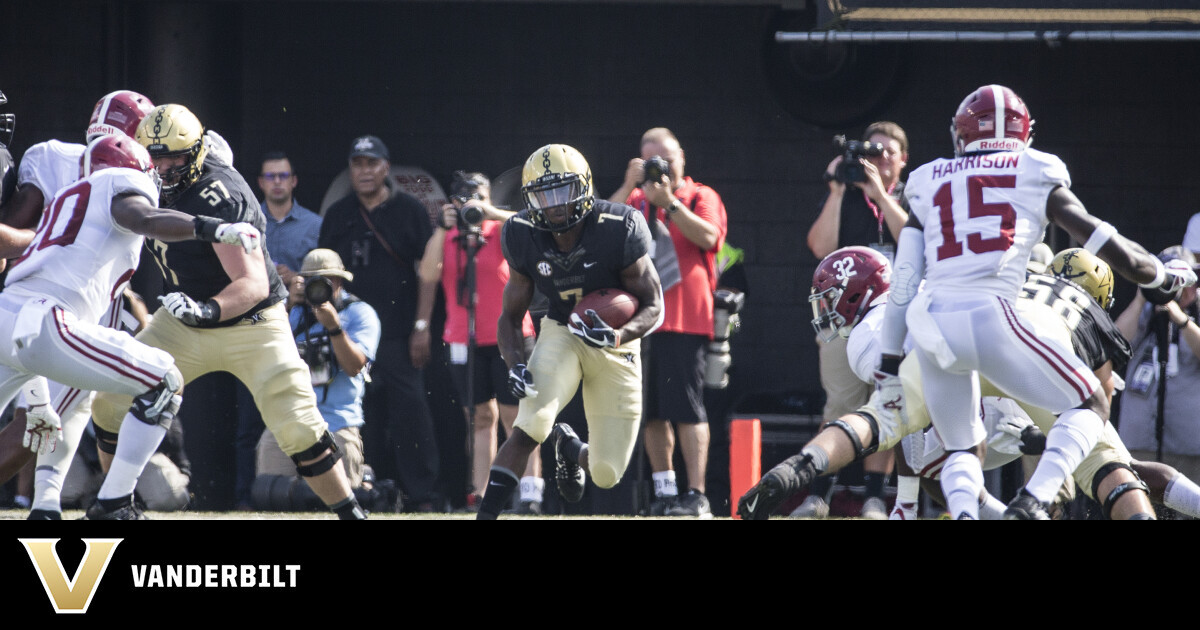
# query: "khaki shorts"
612,396
261,354
270,460
844,392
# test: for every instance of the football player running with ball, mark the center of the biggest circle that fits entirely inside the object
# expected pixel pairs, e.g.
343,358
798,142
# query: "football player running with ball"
567,244
973,222
225,309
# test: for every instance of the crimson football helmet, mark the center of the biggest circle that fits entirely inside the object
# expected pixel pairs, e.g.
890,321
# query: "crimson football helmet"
844,285
118,112
116,151
992,118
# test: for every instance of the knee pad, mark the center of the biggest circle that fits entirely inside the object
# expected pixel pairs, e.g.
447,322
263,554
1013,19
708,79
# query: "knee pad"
859,450
1109,501
159,405
106,441
322,465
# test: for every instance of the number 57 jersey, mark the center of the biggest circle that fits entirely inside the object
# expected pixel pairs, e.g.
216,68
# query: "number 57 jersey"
982,215
80,257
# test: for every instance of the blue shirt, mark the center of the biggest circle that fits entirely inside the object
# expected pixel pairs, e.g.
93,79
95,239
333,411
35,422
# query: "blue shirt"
290,240
340,402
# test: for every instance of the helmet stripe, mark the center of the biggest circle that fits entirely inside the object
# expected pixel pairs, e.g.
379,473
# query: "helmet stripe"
1000,118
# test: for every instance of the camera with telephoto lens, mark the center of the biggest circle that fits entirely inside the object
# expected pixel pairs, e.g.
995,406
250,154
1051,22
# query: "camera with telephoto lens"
726,321
469,217
317,290
654,168
850,169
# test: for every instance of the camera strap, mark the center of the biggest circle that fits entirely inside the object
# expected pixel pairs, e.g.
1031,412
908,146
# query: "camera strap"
378,236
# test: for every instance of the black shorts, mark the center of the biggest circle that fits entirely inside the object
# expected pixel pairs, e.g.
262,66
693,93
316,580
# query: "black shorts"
675,377
491,377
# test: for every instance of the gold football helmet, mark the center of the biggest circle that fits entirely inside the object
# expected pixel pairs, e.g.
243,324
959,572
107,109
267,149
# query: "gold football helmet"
555,176
169,131
1086,270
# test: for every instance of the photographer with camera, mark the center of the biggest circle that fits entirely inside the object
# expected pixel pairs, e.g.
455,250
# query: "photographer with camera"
688,222
337,335
864,206
465,256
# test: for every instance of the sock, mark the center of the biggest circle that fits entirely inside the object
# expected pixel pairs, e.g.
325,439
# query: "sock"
820,459
820,487
532,488
874,482
348,509
991,508
1068,442
501,485
962,479
1182,496
136,443
47,489
664,484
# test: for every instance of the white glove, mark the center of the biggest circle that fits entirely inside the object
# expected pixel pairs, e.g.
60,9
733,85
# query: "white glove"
1011,423
891,393
1179,275
242,234
43,427
186,310
599,334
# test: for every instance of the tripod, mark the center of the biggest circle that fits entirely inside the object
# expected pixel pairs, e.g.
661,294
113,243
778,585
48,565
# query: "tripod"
469,242
1163,329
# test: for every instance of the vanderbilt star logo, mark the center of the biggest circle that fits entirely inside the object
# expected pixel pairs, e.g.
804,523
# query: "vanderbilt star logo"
75,595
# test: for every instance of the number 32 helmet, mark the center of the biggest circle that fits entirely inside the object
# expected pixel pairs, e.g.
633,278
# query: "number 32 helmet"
169,131
992,118
844,285
557,176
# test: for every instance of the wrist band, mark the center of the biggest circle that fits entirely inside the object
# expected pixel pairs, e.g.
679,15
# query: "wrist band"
1100,236
1160,274
336,332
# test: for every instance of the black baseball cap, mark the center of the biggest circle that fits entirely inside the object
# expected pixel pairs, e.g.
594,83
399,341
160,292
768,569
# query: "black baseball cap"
370,146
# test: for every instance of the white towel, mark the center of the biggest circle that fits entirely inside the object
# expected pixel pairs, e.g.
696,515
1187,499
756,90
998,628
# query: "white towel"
29,323
925,332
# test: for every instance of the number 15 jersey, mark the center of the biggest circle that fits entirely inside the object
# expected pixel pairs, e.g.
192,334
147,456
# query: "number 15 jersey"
982,215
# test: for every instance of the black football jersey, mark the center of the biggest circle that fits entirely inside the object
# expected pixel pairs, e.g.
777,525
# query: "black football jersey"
1094,335
614,236
192,266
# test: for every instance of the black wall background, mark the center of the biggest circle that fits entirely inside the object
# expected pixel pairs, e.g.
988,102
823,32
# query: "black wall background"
479,85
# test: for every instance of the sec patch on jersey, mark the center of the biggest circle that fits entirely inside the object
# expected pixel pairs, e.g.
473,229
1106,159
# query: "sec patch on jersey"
614,306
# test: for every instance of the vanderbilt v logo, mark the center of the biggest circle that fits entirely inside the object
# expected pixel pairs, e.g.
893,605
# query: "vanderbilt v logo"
74,595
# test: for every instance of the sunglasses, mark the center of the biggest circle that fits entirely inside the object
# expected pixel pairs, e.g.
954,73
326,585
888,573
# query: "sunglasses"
278,177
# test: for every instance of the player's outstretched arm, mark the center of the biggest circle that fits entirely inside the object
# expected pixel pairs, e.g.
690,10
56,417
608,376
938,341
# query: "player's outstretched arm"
134,213
1126,257
641,279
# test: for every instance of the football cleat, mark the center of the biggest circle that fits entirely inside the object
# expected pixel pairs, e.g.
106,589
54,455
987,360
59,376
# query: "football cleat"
662,505
903,512
813,507
568,474
875,509
693,504
126,512
1025,507
44,515
785,479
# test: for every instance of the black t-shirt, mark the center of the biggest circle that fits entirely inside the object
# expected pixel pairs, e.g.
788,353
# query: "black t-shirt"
859,223
192,266
387,284
1094,335
614,236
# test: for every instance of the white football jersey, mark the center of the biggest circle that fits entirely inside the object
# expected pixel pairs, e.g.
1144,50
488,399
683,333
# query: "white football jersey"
982,216
50,166
80,257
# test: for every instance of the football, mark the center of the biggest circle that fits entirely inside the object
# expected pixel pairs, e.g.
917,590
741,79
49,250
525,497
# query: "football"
614,306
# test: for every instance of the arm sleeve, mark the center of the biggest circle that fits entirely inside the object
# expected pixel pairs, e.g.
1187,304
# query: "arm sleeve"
906,278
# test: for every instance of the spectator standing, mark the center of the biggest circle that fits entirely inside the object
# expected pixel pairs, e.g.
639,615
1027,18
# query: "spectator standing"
381,238
693,216
337,334
868,213
471,222
1140,323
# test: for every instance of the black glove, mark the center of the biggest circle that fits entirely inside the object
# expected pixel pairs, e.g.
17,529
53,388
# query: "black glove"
520,381
1033,441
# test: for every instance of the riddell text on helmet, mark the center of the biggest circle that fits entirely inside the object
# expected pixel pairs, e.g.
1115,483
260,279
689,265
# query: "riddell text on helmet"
976,161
